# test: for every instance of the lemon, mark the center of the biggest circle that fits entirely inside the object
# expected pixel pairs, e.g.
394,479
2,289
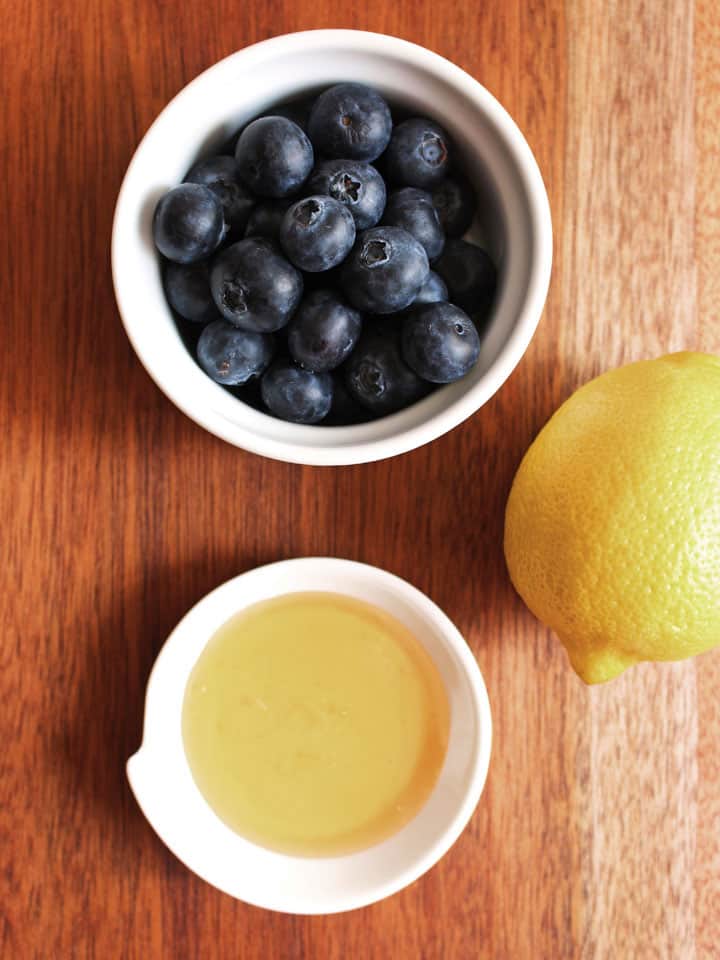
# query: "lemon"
612,528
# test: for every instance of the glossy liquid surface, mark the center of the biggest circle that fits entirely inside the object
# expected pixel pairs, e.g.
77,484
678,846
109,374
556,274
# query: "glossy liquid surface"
315,724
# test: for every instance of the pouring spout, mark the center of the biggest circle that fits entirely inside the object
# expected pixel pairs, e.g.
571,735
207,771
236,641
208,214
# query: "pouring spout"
138,771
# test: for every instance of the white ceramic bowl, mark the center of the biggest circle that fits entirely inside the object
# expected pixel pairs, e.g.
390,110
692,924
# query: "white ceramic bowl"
164,787
515,219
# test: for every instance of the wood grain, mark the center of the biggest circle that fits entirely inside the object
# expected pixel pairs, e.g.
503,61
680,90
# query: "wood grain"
707,251
631,292
598,834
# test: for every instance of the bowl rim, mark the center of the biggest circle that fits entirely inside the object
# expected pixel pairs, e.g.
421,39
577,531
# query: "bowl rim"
316,568
352,445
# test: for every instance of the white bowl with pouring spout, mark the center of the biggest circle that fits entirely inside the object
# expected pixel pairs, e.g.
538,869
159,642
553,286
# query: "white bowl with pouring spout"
161,779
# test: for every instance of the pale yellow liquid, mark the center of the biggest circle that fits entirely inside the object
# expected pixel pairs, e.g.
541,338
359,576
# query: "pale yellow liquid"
315,724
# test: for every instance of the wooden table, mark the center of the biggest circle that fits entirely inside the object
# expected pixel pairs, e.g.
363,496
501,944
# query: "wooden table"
598,835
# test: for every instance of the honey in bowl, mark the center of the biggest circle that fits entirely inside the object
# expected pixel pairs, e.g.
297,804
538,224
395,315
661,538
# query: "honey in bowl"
315,724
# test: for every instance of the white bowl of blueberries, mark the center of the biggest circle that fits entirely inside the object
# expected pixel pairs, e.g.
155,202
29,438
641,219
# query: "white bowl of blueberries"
331,247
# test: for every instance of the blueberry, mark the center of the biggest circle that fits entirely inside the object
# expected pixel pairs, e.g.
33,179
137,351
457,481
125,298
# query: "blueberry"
274,157
439,342
254,287
317,233
323,331
350,121
469,273
413,210
188,223
296,110
220,174
385,270
296,395
432,291
418,154
358,185
266,218
378,378
187,288
455,202
231,356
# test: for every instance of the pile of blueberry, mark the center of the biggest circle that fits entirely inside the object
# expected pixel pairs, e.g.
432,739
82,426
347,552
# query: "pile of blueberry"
301,258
